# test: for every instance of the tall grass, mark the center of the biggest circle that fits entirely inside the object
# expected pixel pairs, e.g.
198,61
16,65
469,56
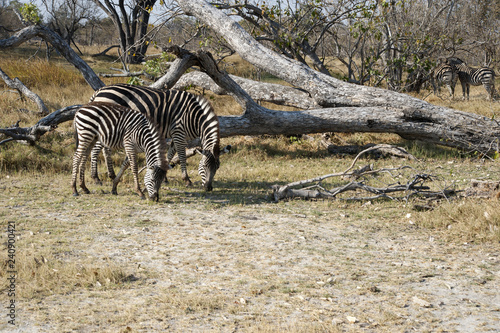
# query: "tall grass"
39,73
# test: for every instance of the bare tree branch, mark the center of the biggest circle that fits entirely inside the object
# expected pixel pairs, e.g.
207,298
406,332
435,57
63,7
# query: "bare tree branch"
24,91
31,134
415,186
60,44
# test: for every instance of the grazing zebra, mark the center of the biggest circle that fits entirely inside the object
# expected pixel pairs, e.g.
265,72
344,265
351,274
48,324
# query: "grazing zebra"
179,115
474,76
116,126
444,74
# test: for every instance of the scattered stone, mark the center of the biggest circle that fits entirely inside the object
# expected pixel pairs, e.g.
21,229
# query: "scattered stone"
421,302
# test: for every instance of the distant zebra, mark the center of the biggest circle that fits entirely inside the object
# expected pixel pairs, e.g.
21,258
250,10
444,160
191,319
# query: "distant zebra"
444,74
179,115
116,126
474,76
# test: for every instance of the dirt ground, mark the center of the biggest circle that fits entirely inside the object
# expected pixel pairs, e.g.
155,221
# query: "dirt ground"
197,263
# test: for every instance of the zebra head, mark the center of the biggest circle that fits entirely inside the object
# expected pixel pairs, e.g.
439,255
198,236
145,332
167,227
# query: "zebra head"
208,167
152,180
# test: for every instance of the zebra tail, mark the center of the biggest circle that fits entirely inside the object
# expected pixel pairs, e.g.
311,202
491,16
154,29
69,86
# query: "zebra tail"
75,133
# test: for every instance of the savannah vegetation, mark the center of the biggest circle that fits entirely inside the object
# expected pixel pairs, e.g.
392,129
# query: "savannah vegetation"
233,259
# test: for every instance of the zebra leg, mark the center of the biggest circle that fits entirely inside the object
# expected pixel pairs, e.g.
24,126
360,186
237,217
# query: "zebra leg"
180,146
451,90
82,175
76,166
170,156
93,163
490,89
83,161
109,163
118,177
132,156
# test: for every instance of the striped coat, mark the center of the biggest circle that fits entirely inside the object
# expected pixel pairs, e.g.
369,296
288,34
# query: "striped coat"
116,126
180,116
473,76
444,74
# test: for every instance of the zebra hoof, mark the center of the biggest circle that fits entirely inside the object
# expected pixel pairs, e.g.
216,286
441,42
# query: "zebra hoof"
114,192
76,194
86,191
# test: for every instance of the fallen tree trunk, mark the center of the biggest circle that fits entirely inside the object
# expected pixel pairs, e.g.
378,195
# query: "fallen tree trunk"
258,91
412,121
348,107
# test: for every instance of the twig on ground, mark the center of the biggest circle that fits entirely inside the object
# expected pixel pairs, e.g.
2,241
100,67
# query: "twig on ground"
414,186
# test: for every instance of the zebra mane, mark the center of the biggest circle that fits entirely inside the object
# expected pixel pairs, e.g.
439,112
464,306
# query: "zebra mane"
208,108
155,130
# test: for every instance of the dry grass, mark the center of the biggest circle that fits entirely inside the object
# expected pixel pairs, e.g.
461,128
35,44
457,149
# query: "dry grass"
466,220
232,260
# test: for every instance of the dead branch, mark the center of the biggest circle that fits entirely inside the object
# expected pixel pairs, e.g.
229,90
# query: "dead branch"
315,189
378,151
104,53
24,91
61,46
260,91
29,135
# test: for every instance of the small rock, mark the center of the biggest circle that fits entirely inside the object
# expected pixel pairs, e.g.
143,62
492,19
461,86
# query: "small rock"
421,302
337,321
352,319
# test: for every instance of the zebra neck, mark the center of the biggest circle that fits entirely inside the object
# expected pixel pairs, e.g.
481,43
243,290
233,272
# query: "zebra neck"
153,148
209,143
153,156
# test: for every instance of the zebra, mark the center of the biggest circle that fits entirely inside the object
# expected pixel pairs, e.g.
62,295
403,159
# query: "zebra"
474,76
444,74
180,115
116,126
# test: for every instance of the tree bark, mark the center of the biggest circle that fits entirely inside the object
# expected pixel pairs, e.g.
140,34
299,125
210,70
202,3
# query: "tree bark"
258,91
348,107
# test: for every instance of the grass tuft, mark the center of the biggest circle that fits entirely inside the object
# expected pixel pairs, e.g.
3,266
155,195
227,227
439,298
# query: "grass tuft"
466,221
